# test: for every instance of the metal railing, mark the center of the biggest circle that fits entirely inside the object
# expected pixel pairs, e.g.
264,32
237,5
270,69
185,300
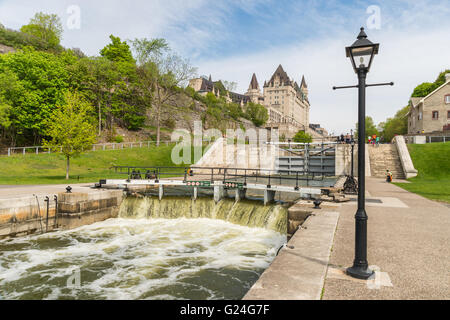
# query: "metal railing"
434,139
241,175
95,147
428,139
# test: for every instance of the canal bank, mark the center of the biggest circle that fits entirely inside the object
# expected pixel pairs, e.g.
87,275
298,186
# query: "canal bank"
39,209
309,242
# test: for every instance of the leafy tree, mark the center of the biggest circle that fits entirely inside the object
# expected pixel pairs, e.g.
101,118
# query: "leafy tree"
371,129
47,27
397,125
70,127
17,39
229,86
234,110
257,113
162,72
426,88
221,87
41,78
302,137
147,50
9,90
423,90
117,51
441,78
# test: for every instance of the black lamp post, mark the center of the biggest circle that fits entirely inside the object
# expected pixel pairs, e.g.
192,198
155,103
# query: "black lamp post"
361,54
352,142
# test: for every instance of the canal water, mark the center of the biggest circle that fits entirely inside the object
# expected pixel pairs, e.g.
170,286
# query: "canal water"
143,256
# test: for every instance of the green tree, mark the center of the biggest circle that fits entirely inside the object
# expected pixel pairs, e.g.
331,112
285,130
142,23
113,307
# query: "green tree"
398,125
426,88
70,127
423,90
47,27
302,137
257,113
371,128
117,50
40,80
162,73
147,50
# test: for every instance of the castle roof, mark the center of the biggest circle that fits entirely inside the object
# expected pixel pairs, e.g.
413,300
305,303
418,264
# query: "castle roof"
303,84
284,79
207,85
254,83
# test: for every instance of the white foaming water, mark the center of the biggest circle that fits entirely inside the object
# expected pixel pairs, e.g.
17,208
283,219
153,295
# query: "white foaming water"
138,259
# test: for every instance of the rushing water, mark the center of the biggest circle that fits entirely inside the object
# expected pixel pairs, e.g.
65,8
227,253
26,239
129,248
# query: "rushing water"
141,256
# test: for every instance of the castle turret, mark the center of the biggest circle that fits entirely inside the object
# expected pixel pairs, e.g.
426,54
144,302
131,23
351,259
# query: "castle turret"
254,93
304,86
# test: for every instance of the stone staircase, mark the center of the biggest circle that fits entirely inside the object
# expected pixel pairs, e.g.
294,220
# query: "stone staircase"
385,157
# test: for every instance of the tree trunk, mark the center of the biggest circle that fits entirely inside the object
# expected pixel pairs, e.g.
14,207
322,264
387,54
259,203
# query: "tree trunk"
158,119
67,168
99,119
158,127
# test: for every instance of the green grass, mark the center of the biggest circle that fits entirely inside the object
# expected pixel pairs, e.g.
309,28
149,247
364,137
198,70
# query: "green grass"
89,167
433,163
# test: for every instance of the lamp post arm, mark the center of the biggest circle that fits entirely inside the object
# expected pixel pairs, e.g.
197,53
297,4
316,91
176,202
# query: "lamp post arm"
380,84
367,85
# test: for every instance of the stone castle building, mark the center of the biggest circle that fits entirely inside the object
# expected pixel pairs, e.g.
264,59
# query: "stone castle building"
286,101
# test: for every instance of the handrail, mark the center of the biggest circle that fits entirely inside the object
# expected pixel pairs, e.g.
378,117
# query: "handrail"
224,174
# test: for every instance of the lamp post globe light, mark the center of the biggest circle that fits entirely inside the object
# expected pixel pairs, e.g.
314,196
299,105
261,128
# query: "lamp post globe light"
361,54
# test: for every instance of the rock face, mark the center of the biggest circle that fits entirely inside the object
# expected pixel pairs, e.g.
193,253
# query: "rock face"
5,49
385,157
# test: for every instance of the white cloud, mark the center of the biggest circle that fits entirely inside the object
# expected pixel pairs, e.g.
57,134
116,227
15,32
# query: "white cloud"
407,59
414,45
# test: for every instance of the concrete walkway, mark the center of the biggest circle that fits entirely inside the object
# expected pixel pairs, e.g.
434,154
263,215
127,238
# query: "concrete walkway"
408,240
17,191
298,272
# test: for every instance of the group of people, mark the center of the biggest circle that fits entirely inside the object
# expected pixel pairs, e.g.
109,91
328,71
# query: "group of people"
374,140
347,139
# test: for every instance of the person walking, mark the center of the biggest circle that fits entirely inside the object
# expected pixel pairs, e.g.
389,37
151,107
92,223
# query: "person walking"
377,140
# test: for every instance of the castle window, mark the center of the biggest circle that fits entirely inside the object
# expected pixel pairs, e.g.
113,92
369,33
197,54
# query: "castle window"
435,115
447,99
448,114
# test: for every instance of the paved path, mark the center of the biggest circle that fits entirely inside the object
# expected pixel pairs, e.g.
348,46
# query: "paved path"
408,238
16,191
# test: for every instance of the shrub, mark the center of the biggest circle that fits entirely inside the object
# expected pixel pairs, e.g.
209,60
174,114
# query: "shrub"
118,139
302,137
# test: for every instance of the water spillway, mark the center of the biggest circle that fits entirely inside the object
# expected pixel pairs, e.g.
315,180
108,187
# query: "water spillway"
175,248
245,213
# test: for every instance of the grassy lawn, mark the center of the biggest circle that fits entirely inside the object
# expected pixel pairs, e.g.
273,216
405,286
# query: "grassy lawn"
89,167
432,160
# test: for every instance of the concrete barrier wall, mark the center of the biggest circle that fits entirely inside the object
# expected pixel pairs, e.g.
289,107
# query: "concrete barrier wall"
252,156
405,158
344,160
24,215
27,215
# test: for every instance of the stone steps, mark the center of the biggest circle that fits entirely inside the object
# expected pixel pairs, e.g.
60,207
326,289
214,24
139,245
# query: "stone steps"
385,157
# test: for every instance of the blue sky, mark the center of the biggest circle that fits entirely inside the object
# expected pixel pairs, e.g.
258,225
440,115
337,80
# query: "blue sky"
232,39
